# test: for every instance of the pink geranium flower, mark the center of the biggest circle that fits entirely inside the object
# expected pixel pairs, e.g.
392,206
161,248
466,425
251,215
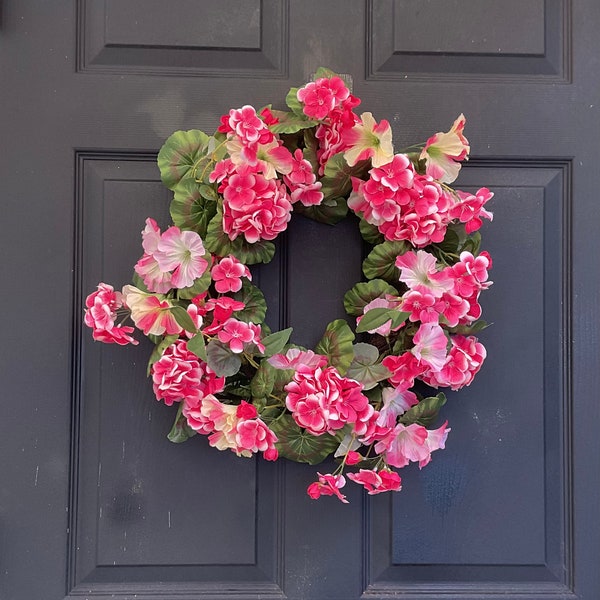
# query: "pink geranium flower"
227,274
327,485
376,482
236,334
444,152
299,360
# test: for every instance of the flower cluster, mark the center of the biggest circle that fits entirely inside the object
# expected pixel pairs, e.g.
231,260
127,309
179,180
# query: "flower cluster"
250,390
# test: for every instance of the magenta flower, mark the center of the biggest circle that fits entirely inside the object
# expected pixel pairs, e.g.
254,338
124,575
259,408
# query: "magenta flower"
236,334
376,482
227,274
327,485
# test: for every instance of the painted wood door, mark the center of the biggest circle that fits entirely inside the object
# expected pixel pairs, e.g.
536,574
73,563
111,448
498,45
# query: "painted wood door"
96,503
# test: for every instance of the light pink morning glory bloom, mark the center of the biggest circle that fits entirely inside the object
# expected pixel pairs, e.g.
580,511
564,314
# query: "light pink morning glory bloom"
182,253
418,270
430,345
395,403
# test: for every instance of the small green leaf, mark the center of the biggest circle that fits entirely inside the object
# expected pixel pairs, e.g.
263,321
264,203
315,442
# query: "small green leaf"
159,349
362,293
189,209
197,346
299,445
293,103
183,318
275,342
291,122
221,359
330,214
425,412
336,181
256,306
376,317
381,261
469,329
336,344
200,286
180,154
208,192
370,233
365,368
263,381
325,72
181,431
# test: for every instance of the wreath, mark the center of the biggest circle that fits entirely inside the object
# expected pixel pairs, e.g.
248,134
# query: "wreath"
369,402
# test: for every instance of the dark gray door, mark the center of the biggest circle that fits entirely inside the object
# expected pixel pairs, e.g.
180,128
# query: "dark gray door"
96,503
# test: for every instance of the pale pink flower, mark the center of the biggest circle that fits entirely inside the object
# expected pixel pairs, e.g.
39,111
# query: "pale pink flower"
150,313
395,403
154,278
376,482
386,328
299,360
430,345
418,270
182,253
327,485
369,139
227,274
444,151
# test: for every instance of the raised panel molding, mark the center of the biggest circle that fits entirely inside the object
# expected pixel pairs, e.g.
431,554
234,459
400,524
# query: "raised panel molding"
478,550
192,537
212,38
469,40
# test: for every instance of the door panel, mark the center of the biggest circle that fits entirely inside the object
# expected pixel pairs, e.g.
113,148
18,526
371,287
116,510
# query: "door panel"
96,502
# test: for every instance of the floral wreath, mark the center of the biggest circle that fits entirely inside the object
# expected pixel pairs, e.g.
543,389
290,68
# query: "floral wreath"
249,389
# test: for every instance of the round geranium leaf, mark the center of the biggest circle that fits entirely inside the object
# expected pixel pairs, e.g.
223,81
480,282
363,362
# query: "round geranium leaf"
365,367
256,306
190,209
381,261
295,443
370,233
180,156
425,412
336,344
221,359
362,293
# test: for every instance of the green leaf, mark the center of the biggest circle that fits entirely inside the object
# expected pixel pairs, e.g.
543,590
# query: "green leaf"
253,298
330,213
365,366
298,445
336,181
451,242
293,103
469,329
425,412
376,317
197,346
325,72
181,431
381,261
189,209
180,154
263,381
370,233
183,318
200,286
218,242
291,122
159,349
221,359
362,293
138,282
276,342
336,344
